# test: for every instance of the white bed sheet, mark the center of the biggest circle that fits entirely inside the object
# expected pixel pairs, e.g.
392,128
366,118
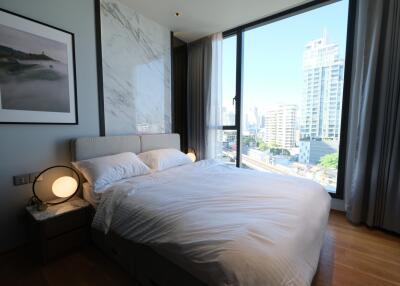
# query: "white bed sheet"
226,226
90,196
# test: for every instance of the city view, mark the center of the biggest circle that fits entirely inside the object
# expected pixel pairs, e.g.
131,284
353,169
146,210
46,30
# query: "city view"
291,130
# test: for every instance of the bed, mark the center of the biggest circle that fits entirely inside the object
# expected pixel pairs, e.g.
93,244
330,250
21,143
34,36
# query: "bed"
207,223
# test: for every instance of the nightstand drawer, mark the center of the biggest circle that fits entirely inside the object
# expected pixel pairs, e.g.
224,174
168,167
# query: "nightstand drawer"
66,222
66,242
60,228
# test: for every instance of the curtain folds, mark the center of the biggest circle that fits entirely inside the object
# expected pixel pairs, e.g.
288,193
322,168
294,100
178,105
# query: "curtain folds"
214,101
199,88
204,95
372,179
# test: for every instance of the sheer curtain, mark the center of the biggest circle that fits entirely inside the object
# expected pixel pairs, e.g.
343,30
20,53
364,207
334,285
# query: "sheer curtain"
214,102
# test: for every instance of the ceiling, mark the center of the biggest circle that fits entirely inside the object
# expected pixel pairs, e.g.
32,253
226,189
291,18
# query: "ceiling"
200,18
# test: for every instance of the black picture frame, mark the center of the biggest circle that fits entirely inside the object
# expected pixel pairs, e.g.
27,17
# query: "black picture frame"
99,63
74,110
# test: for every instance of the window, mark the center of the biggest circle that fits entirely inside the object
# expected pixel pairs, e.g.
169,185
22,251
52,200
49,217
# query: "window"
289,90
230,103
229,81
229,146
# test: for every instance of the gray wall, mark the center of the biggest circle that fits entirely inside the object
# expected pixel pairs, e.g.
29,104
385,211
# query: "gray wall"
337,204
30,148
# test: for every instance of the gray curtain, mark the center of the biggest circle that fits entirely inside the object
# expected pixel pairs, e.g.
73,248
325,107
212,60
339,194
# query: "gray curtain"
199,92
372,179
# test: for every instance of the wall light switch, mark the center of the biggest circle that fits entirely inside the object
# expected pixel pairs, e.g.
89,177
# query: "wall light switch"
21,180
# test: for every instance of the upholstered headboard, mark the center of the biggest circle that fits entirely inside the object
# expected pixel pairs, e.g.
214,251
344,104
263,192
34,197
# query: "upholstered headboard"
91,147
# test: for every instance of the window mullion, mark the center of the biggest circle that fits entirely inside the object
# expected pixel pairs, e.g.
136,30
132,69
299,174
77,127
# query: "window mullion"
238,96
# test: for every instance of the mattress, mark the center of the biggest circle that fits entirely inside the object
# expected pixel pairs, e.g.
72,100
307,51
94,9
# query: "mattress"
224,225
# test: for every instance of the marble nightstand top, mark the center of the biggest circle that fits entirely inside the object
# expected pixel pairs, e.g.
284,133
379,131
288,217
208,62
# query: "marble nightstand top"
56,210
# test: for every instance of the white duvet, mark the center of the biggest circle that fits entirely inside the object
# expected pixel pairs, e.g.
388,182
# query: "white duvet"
226,226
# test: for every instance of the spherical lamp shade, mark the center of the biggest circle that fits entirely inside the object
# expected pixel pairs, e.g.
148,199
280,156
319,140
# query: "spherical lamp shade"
64,187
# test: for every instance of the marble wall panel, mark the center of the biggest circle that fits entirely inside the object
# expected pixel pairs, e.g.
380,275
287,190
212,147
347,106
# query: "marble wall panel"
136,71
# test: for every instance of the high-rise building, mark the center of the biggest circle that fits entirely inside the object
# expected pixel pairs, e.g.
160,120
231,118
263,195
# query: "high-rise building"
252,120
323,71
263,120
311,151
280,125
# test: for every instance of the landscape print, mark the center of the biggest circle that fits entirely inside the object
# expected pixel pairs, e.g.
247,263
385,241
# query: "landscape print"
33,72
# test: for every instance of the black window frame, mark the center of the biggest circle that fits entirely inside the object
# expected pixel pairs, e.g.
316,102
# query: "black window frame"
239,31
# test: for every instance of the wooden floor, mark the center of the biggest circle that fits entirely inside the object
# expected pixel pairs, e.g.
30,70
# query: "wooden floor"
87,267
351,256
356,255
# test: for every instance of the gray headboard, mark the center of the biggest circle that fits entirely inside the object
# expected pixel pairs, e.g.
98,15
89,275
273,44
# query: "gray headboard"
91,147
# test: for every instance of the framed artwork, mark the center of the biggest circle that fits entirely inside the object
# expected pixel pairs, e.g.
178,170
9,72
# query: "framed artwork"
37,72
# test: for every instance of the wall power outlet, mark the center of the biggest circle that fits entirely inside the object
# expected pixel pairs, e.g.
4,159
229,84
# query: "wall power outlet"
26,179
21,180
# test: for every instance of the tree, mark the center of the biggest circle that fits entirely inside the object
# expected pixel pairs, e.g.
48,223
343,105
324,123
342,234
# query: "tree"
329,161
248,140
262,146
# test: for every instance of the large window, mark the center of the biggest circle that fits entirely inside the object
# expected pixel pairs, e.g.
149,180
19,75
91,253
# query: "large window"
229,136
290,90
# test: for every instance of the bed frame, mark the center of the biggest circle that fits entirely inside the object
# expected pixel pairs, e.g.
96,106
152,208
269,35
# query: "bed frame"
145,265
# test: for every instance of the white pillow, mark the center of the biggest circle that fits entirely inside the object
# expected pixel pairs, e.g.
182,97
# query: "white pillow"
102,171
162,159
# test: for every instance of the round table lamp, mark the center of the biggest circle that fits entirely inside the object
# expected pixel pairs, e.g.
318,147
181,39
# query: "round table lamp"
192,155
64,187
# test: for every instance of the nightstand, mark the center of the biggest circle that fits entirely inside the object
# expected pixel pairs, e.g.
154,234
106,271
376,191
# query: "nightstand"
60,228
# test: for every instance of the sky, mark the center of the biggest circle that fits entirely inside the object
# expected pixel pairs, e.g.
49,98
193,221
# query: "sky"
273,54
31,43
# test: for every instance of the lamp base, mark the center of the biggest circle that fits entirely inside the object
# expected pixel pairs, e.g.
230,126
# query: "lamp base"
40,206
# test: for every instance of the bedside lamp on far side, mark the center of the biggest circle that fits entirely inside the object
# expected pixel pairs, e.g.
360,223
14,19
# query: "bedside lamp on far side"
192,155
64,187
